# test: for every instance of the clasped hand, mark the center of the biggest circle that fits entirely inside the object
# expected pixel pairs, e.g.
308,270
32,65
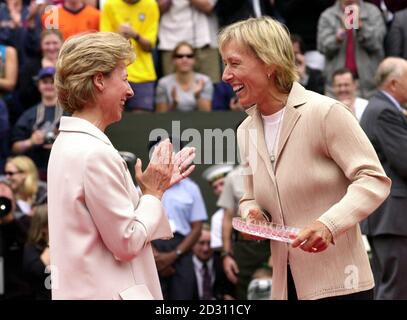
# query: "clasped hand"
165,169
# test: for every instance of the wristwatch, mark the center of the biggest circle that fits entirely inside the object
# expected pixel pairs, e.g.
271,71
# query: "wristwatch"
226,254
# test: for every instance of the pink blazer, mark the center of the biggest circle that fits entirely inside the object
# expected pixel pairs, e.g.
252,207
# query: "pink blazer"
327,170
100,229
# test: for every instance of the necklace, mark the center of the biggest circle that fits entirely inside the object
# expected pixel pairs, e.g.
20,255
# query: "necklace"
273,151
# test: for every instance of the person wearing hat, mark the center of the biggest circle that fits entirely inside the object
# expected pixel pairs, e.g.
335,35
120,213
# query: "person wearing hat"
215,175
36,129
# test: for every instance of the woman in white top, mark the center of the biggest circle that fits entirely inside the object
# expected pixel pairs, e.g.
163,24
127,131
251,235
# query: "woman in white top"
184,90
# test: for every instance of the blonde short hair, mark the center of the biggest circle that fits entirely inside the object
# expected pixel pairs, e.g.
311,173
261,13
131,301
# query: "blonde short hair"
28,190
270,41
82,57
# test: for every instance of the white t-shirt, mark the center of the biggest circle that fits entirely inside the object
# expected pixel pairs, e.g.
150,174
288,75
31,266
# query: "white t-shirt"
182,22
272,128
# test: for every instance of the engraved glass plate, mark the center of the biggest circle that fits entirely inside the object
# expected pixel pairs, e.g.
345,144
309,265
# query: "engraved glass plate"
266,230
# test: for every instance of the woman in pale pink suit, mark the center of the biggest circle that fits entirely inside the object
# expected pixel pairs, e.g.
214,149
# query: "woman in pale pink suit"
100,227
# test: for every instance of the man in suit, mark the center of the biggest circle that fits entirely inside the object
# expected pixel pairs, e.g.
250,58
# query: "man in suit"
396,40
386,126
211,282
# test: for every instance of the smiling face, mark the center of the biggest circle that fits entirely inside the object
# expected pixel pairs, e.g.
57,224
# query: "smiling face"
184,59
202,248
116,90
246,73
50,46
47,88
344,87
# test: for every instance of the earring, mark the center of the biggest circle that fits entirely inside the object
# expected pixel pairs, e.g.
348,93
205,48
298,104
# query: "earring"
268,76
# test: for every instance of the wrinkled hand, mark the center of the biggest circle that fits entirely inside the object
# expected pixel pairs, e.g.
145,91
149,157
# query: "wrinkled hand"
231,269
314,238
157,176
182,165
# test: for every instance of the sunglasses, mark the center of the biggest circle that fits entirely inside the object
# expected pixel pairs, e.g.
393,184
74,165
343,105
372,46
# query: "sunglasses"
12,173
180,56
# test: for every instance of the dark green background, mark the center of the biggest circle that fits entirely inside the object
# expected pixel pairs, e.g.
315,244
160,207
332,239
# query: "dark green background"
133,131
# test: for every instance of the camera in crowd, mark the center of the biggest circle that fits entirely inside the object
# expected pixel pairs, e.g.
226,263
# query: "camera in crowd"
49,133
5,206
6,202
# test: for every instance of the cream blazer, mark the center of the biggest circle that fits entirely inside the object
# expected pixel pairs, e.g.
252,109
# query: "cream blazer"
100,229
326,169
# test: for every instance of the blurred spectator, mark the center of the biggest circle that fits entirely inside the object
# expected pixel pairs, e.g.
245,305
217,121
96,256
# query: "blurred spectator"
22,175
354,41
36,129
210,279
12,238
301,18
184,90
20,26
8,69
232,11
224,98
311,79
8,79
36,254
51,42
215,175
241,256
345,90
192,21
396,40
137,21
75,16
386,229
